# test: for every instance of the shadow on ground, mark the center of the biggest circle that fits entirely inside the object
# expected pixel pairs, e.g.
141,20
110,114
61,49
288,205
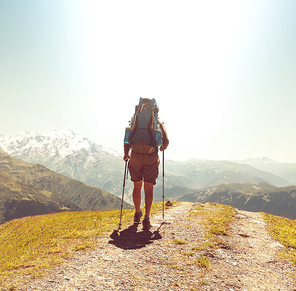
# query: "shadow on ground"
131,238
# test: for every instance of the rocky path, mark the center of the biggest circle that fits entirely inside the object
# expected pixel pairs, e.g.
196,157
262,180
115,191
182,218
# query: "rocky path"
251,261
165,259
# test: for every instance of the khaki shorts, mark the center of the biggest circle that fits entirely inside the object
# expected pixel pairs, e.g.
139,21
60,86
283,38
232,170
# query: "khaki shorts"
144,167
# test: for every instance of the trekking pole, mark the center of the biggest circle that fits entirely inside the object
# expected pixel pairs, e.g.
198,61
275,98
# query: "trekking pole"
114,234
125,168
163,184
156,233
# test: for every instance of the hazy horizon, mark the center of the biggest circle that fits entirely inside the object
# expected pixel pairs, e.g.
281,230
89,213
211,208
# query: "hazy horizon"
223,73
116,152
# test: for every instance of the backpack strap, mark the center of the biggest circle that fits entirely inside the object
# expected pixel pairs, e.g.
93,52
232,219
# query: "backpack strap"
154,124
136,121
152,139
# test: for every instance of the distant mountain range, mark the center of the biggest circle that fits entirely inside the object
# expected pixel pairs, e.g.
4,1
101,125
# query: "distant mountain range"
77,157
206,173
251,197
284,170
24,186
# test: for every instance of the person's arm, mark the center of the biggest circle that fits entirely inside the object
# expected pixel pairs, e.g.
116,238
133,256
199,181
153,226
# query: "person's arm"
165,140
126,152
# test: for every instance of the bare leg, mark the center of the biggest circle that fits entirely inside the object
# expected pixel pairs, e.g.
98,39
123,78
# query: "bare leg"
148,188
137,195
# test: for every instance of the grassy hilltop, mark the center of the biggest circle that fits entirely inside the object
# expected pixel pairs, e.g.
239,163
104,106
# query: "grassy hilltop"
29,246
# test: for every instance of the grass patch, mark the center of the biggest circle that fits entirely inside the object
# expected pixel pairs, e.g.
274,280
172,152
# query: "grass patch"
202,282
188,254
82,247
216,218
203,262
220,220
283,230
179,242
32,244
196,248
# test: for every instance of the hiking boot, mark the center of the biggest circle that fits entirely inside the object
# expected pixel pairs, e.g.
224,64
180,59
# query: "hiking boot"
138,216
146,224
169,203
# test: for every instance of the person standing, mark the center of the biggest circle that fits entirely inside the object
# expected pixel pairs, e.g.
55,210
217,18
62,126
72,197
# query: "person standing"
145,136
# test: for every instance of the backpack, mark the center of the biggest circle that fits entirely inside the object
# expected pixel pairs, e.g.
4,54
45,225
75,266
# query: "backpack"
143,135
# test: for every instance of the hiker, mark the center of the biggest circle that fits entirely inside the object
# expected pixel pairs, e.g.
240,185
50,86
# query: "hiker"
144,136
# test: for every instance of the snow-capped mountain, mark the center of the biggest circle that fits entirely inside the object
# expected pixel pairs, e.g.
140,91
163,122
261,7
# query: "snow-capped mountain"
65,152
70,154
30,146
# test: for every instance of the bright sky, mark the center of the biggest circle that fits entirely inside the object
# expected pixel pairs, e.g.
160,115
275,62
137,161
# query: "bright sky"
223,72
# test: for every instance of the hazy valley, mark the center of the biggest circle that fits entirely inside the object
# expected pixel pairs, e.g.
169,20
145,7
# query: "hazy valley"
76,158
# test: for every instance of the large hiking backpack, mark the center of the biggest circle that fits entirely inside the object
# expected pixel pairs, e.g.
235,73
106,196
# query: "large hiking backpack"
143,134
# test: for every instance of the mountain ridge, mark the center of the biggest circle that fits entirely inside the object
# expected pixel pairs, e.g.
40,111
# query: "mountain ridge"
19,199
211,173
284,170
258,197
75,156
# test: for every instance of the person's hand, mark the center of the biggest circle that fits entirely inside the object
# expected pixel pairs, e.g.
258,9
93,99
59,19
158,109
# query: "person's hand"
126,158
163,147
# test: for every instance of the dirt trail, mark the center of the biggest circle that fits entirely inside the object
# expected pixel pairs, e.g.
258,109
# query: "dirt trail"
251,262
165,259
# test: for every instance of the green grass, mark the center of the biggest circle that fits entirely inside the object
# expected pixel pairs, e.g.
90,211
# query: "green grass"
220,219
31,245
216,217
188,254
179,242
36,243
202,282
203,261
283,230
